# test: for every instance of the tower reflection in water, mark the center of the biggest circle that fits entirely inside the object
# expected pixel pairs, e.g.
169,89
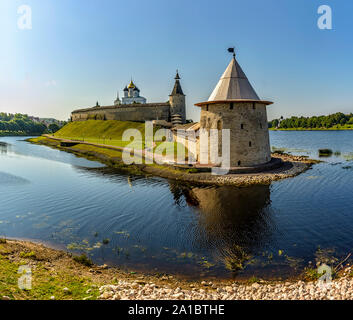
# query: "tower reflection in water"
234,223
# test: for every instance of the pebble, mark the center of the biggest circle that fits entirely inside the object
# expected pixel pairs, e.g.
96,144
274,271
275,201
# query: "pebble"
339,289
66,290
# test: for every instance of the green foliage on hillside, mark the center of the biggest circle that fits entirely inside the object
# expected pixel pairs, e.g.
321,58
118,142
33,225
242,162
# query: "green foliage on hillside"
19,124
338,120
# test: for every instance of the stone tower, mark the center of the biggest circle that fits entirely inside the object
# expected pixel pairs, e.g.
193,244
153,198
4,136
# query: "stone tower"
177,103
235,105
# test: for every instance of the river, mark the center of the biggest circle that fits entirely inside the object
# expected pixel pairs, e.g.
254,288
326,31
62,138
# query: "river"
160,226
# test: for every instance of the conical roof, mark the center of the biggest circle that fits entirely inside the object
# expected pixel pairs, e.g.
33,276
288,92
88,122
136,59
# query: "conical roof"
233,85
177,87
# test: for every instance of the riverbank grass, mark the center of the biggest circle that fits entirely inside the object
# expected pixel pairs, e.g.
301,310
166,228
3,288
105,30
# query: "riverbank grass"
47,283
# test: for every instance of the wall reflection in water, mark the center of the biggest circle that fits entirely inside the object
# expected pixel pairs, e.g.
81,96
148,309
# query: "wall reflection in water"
233,222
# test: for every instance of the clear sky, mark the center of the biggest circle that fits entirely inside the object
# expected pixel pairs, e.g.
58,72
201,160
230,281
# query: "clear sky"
81,51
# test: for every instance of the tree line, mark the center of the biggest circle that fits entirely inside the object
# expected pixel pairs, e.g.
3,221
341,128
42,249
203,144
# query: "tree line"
22,124
315,122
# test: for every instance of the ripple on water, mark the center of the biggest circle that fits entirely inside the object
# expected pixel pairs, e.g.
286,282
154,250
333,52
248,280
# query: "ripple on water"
176,227
10,179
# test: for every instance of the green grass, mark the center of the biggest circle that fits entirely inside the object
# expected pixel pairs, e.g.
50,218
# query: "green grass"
45,141
169,148
111,153
109,156
83,259
253,280
108,132
44,284
28,255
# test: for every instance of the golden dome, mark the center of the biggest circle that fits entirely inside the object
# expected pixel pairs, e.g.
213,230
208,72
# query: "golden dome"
131,85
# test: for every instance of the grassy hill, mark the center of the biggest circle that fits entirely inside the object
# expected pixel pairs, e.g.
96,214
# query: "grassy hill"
109,132
99,131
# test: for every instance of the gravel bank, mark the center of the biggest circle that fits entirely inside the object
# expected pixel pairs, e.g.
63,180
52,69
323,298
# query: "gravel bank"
340,289
105,283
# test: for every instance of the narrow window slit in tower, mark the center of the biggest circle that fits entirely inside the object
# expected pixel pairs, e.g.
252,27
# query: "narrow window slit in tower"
231,106
219,125
239,163
254,106
242,126
206,107
249,143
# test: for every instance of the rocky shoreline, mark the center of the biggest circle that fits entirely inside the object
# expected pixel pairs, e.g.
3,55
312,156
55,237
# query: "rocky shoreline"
73,280
340,289
291,167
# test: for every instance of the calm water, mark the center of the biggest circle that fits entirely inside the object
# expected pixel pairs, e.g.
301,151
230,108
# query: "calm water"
157,225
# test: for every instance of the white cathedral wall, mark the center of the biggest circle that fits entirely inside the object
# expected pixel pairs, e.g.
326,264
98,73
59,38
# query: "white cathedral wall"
133,100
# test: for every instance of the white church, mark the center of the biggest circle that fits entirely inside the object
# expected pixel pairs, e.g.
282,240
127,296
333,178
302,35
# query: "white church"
131,95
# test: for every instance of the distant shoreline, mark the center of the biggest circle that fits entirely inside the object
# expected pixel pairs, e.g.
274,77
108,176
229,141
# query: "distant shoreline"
310,129
19,134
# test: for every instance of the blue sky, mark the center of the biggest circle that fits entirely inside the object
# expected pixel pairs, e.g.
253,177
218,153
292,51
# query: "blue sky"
81,51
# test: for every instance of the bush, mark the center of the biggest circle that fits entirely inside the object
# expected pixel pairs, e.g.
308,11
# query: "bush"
28,254
325,152
83,259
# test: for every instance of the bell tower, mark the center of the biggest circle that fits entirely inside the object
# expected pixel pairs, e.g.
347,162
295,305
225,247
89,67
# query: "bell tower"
177,102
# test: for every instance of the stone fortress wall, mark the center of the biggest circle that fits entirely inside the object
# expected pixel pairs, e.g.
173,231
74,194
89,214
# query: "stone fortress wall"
128,112
172,111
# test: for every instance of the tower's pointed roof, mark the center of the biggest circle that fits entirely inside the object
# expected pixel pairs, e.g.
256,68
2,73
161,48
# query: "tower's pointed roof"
233,86
177,87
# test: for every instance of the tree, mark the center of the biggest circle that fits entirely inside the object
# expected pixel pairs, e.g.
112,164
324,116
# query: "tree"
53,127
329,121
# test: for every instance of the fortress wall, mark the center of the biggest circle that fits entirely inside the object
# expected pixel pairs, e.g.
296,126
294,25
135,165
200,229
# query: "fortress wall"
136,112
249,137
